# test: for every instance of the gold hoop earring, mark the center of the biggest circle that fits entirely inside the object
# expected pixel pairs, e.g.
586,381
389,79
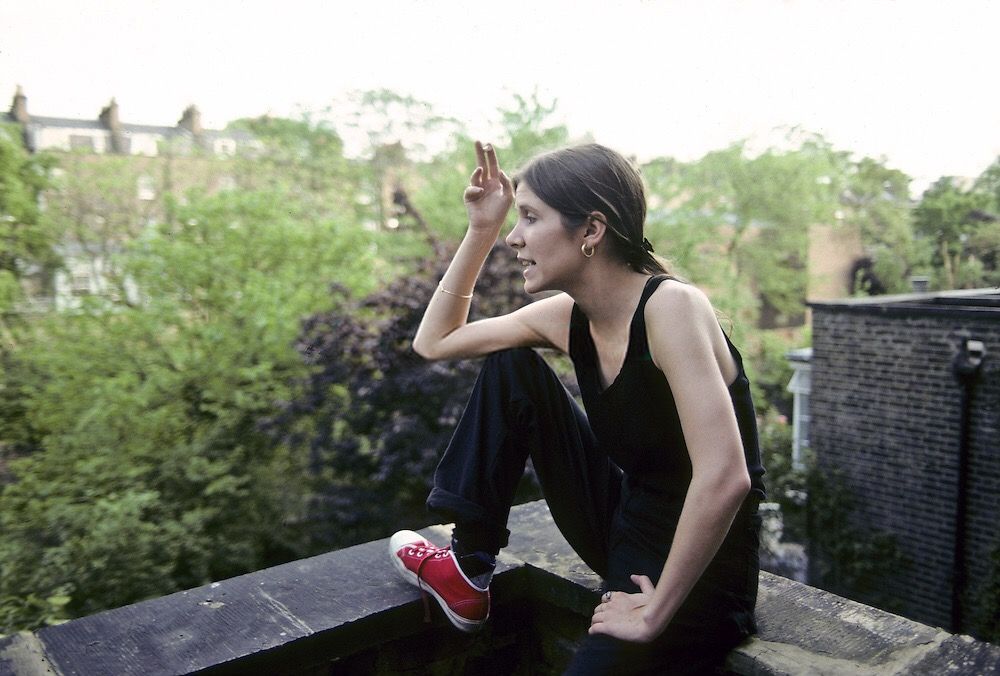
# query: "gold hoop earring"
583,248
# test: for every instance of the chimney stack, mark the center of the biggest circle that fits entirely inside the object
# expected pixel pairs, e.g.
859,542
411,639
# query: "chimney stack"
191,120
109,118
19,107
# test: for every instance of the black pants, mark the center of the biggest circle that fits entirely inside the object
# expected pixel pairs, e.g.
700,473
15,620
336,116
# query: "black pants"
519,409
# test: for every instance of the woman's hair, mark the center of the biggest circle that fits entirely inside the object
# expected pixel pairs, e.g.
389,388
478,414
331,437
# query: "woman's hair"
579,180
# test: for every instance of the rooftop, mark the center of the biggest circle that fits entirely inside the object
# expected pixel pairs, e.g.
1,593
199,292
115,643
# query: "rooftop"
960,302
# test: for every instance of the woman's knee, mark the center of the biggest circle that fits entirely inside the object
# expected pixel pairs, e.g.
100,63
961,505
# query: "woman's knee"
522,369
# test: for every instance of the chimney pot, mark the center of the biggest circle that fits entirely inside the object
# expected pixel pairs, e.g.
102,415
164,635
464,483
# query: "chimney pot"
19,107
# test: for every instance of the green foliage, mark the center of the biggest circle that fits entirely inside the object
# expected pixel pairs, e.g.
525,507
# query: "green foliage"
303,159
786,485
26,243
987,602
876,199
764,206
528,129
742,221
91,203
158,438
964,232
373,416
150,473
847,558
737,222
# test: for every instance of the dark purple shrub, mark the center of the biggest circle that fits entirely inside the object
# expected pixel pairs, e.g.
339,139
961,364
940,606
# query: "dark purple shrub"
374,416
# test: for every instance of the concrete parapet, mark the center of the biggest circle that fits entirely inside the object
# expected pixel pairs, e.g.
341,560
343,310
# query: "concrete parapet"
346,612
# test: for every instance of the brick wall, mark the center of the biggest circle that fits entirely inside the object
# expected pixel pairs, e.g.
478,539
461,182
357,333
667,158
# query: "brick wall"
886,411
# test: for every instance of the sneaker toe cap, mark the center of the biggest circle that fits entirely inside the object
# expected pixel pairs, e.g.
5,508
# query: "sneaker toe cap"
406,537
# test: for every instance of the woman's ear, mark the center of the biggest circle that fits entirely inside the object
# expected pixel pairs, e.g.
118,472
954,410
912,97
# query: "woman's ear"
595,228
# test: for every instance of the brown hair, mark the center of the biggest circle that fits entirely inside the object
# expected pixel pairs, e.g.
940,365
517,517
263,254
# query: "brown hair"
579,180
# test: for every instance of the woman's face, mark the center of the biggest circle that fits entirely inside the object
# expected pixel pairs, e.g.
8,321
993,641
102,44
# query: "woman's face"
545,247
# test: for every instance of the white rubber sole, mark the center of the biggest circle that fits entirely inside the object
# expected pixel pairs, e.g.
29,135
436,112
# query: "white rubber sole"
405,538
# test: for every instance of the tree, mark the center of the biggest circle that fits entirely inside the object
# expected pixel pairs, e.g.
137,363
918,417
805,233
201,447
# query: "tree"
26,242
98,205
876,199
373,416
526,129
151,474
742,222
739,222
954,219
303,158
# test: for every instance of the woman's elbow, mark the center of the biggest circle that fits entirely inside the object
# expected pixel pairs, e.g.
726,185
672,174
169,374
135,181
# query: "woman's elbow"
422,349
741,484
730,484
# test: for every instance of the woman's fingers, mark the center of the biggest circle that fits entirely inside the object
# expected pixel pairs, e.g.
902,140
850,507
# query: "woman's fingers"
645,586
477,177
493,165
505,182
481,156
486,158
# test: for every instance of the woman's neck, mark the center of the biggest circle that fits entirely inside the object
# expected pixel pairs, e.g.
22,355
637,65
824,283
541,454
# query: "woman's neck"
608,295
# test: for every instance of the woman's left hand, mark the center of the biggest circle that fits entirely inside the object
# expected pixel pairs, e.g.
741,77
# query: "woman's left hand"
620,614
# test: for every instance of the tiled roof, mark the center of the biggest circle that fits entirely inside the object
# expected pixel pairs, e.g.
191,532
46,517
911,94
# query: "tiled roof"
149,129
235,134
96,125
38,120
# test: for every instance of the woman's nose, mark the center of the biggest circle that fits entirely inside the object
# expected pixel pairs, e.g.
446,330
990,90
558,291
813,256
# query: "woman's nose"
513,238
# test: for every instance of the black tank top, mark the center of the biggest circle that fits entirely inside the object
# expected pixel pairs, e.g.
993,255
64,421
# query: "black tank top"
635,419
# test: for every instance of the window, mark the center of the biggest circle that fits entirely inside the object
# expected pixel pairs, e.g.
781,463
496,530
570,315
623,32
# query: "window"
801,387
146,188
225,146
79,283
80,142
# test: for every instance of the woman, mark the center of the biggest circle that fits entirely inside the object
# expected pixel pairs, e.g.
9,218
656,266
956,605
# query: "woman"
656,487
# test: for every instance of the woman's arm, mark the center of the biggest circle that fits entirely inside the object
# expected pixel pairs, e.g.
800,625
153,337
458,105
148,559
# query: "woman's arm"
684,340
444,332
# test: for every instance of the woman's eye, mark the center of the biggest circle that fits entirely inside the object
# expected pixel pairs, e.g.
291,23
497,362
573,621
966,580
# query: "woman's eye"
529,218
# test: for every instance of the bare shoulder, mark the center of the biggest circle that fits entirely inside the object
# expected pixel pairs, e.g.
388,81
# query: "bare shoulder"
683,330
676,303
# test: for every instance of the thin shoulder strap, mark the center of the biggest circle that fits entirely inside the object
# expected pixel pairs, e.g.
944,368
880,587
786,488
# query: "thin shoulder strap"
640,342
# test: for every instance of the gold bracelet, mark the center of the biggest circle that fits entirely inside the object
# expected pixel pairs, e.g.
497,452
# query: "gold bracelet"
452,293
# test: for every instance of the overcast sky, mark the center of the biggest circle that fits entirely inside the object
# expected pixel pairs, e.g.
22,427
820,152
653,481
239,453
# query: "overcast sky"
913,81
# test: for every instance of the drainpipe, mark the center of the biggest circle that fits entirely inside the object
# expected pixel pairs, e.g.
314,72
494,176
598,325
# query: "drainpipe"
965,367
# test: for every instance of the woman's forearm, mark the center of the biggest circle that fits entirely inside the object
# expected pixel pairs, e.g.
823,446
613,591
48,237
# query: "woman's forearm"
448,311
709,508
487,200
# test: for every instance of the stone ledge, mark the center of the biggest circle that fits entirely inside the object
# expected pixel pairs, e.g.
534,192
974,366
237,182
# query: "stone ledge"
347,608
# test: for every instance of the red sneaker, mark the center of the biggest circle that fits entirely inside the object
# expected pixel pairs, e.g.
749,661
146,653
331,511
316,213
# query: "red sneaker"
434,570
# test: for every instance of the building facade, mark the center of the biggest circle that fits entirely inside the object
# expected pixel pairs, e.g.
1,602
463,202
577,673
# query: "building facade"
107,134
905,405
108,189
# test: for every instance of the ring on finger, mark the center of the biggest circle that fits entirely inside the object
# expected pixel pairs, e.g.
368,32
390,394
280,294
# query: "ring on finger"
607,597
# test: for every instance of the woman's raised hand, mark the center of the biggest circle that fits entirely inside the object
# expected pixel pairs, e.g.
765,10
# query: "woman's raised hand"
489,194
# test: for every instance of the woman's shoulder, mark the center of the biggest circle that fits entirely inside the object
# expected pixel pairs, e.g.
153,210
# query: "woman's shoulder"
682,328
675,300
